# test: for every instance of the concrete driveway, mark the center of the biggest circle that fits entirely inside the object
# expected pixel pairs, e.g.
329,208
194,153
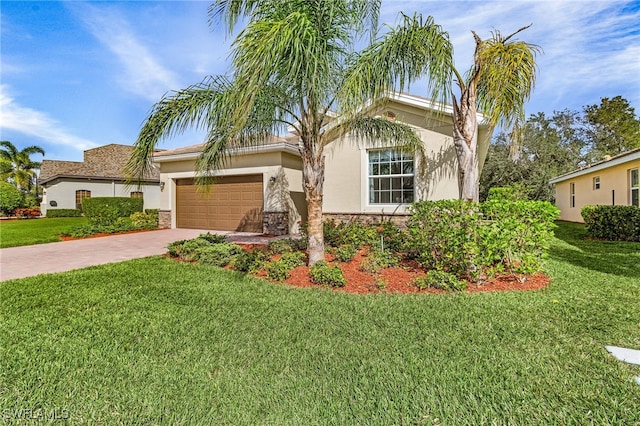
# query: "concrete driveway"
27,261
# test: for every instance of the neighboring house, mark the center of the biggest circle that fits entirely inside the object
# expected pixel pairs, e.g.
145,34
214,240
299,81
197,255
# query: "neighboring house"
66,183
615,181
260,189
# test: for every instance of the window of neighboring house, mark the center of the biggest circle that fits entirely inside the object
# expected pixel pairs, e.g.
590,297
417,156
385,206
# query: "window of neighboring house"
391,177
572,194
634,185
596,182
81,194
137,194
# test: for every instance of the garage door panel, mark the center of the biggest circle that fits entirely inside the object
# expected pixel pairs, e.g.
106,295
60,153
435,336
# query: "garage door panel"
233,204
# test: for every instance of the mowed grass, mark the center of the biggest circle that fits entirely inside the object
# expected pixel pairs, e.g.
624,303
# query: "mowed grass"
153,341
26,232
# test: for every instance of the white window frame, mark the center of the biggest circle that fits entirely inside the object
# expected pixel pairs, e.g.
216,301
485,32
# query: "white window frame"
596,183
572,194
397,158
634,187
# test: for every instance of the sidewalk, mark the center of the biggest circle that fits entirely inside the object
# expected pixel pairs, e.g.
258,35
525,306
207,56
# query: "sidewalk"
27,261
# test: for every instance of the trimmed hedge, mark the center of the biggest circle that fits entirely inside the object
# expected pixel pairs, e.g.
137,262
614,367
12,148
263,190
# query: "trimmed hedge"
10,198
63,213
613,223
107,210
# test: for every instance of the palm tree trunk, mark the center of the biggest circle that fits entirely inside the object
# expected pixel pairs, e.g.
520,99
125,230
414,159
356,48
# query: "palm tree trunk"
465,139
313,170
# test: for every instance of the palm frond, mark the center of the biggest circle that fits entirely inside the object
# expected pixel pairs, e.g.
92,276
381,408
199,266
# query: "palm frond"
417,48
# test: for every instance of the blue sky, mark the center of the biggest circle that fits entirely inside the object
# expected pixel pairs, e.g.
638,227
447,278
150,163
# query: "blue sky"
76,75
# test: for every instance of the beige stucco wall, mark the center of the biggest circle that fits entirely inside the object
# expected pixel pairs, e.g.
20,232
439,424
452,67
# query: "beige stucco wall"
63,192
346,179
613,181
282,193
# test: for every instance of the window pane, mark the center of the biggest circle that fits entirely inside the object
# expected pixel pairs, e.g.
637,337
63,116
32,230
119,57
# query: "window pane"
407,197
385,197
635,197
407,167
396,183
407,183
384,169
396,168
385,155
385,184
396,197
635,178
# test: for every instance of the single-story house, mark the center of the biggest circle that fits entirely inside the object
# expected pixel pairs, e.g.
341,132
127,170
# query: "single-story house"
260,189
615,181
66,183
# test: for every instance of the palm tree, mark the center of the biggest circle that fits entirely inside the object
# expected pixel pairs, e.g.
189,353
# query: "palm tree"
499,83
294,65
17,167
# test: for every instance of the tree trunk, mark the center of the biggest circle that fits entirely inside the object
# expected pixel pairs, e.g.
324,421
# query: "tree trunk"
313,170
465,138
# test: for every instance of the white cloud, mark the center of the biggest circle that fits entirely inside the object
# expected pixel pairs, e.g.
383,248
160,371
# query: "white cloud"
36,124
143,74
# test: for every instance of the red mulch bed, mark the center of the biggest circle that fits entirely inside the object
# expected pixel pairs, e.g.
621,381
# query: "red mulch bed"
399,280
69,238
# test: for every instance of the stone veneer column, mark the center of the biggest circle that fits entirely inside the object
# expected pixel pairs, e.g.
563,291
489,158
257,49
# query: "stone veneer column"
164,219
275,223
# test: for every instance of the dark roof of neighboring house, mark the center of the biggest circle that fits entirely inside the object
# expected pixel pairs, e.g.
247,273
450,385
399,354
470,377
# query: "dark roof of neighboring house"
104,162
605,163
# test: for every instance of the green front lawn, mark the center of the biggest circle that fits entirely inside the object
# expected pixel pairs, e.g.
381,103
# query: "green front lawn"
26,232
153,341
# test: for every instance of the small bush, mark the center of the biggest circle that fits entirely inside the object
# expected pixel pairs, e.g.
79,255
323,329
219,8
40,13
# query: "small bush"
219,254
10,198
213,238
282,245
345,253
441,280
390,237
352,233
144,220
189,249
64,213
280,269
379,259
107,210
613,223
250,261
323,274
175,248
516,192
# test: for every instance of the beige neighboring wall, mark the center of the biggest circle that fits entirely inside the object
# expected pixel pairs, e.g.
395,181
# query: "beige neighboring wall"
614,186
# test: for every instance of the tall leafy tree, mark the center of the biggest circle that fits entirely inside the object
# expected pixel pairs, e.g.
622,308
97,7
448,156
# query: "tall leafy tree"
295,65
498,84
17,167
612,127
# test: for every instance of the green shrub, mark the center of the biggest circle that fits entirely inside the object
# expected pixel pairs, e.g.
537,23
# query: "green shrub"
144,220
10,198
153,212
280,269
613,223
323,274
470,240
213,238
345,253
175,248
64,213
218,254
516,192
283,245
440,279
352,233
390,237
378,259
107,210
250,261
189,249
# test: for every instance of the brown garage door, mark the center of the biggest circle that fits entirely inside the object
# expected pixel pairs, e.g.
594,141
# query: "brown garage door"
234,203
